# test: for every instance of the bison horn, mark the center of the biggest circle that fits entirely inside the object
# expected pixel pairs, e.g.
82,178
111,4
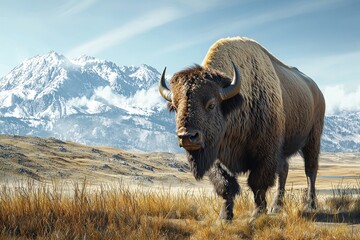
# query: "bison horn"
234,88
163,89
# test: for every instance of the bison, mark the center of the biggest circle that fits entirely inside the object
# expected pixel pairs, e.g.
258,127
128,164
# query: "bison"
243,110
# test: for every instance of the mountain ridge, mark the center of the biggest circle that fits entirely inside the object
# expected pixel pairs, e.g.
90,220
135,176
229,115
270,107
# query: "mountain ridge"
93,101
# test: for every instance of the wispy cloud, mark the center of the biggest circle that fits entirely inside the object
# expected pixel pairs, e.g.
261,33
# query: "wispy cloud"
285,12
199,6
248,22
338,98
128,30
75,7
143,101
178,46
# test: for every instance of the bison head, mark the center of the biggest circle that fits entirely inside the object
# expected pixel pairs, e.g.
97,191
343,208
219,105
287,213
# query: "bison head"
198,97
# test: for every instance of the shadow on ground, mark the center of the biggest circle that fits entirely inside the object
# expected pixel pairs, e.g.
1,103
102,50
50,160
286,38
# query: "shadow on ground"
350,217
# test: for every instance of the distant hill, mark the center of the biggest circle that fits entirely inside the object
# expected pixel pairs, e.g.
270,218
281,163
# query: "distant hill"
51,159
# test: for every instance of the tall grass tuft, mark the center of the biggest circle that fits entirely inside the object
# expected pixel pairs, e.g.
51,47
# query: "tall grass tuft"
81,211
345,197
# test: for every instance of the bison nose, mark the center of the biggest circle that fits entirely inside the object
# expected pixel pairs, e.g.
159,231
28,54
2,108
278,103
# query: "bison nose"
190,139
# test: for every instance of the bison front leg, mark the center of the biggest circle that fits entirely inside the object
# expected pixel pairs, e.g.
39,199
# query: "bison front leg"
226,186
260,179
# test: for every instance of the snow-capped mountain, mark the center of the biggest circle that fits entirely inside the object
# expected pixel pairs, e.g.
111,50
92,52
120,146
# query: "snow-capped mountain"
86,100
342,132
96,102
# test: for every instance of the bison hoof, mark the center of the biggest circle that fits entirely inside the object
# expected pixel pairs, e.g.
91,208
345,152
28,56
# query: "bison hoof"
257,213
220,221
224,215
226,212
310,206
276,209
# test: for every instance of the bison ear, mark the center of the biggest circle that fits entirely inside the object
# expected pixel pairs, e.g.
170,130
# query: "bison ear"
170,107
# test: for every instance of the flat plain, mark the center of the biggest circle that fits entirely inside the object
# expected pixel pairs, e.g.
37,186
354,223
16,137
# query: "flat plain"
50,159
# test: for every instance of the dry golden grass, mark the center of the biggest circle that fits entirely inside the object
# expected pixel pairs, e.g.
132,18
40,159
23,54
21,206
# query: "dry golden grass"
40,211
57,203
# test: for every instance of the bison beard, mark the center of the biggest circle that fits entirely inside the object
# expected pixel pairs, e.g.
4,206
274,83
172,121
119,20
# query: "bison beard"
201,160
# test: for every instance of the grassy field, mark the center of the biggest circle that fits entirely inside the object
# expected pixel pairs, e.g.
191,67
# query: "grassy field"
50,189
42,211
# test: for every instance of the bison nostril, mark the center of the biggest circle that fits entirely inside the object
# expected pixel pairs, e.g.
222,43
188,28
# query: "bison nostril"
194,138
191,140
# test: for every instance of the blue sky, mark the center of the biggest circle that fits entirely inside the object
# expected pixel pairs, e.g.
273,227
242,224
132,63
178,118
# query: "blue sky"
321,38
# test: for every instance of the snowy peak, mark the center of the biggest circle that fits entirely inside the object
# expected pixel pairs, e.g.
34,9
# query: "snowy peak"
86,100
35,71
96,102
41,76
88,63
146,76
143,76
51,86
50,71
125,80
105,70
49,60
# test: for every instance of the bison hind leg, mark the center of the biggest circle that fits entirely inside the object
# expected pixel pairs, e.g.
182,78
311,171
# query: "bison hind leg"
311,152
226,186
282,172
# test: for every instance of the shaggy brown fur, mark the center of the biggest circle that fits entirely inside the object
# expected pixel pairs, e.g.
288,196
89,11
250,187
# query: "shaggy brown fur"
277,112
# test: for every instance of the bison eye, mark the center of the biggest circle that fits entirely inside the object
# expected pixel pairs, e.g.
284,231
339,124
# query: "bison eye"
210,104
